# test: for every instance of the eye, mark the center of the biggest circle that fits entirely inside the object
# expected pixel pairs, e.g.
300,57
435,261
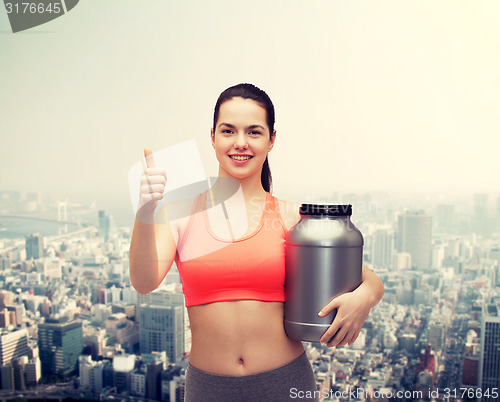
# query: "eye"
255,132
226,131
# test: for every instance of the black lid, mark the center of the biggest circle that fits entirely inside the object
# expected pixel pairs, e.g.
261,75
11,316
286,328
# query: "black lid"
326,209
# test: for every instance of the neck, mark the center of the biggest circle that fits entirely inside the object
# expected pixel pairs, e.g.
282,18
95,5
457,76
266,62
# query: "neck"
250,186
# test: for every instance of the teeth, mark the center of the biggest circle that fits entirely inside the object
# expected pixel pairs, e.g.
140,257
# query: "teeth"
240,158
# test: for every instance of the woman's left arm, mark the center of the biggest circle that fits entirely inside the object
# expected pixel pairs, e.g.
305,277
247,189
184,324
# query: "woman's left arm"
352,310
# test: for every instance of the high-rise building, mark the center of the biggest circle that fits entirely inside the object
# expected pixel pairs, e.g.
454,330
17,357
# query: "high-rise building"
7,377
123,367
162,328
33,371
489,362
51,268
60,342
382,248
90,371
138,383
5,263
445,218
414,236
494,254
153,380
169,295
34,246
6,298
480,217
13,344
104,224
496,228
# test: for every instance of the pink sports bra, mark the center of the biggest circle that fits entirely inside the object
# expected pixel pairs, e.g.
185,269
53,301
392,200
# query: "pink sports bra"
250,268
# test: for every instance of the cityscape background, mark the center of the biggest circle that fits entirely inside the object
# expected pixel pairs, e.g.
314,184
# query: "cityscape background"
72,326
390,106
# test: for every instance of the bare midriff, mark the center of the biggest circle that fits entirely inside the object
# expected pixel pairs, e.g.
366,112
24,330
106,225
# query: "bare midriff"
240,337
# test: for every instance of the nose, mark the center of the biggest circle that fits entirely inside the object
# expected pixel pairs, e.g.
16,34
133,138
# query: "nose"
241,141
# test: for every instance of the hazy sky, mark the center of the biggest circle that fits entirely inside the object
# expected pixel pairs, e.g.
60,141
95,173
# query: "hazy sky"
385,95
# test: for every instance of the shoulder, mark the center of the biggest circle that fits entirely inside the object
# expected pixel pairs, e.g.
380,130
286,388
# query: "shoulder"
289,211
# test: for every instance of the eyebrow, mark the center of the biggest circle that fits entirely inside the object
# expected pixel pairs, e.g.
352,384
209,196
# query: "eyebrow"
252,126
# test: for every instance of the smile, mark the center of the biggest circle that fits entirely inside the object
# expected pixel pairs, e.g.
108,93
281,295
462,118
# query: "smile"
240,157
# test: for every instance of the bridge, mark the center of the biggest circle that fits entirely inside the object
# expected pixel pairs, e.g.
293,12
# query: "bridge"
37,218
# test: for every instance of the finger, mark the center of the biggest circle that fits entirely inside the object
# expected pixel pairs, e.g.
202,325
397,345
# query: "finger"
339,337
331,331
153,180
156,171
347,338
147,188
148,155
334,303
354,337
147,198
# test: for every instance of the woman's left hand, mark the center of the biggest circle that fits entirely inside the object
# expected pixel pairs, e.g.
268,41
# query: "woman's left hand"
352,310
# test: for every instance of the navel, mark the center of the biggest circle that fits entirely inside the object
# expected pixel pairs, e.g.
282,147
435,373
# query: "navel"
240,361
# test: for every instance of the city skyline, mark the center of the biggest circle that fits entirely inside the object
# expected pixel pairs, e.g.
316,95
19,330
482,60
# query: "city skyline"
427,333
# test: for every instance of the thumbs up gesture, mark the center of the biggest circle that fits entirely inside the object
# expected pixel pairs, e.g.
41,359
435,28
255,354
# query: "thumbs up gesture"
153,183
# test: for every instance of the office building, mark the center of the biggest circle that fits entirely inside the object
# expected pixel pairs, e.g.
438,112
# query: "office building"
33,371
7,377
162,328
445,218
382,248
13,345
123,367
60,342
489,362
91,374
414,237
104,225
34,246
138,383
480,216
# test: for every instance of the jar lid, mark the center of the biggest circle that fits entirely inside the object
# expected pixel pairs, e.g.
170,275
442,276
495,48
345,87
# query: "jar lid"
326,209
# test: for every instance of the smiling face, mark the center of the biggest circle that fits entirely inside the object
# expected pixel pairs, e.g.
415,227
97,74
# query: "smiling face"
241,138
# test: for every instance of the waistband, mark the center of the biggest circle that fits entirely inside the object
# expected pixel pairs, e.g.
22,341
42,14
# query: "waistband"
279,372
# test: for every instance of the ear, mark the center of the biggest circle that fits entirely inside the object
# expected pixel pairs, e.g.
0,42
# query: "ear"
271,141
212,137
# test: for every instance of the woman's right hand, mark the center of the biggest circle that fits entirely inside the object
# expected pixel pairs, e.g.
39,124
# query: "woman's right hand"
153,183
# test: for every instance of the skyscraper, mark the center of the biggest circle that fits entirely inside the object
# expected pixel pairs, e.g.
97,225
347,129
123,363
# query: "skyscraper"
480,218
13,344
104,225
382,248
162,328
34,246
60,342
489,363
446,218
414,236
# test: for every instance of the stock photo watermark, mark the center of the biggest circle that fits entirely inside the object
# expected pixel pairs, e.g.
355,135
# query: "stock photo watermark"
24,15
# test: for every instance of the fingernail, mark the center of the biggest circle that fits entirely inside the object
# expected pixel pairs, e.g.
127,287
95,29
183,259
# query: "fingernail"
320,313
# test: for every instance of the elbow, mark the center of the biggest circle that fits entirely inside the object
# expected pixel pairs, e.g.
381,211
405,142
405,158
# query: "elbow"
143,290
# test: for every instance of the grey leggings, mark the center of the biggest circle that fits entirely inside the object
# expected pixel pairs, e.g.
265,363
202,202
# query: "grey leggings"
292,382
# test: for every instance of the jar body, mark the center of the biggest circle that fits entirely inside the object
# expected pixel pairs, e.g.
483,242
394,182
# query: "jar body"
323,259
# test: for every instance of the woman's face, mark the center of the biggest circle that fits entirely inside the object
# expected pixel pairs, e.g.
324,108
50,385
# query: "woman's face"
241,138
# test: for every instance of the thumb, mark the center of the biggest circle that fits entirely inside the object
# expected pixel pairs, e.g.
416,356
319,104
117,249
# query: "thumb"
148,155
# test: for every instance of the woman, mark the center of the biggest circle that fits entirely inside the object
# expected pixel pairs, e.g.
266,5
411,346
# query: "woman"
230,256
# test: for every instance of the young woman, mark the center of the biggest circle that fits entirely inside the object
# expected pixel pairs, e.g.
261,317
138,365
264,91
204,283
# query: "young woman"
230,255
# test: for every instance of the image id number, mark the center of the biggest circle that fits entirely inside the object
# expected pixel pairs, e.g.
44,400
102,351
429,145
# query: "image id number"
33,8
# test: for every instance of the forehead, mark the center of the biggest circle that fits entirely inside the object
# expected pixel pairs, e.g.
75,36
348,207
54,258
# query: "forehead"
243,112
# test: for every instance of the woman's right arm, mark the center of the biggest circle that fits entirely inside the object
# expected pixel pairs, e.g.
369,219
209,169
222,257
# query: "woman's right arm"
153,244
